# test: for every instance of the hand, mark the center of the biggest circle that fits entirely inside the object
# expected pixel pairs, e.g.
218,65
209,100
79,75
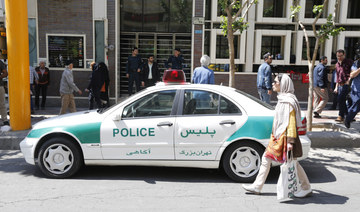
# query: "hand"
143,84
87,90
138,70
289,146
335,90
322,90
269,92
127,75
79,92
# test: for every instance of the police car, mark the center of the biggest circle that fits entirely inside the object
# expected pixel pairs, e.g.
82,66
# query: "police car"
182,125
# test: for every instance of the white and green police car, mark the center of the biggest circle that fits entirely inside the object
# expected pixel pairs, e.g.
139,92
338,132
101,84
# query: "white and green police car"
204,126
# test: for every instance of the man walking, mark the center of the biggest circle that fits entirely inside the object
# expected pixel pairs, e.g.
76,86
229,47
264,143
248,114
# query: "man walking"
355,93
67,88
133,69
264,80
343,67
150,73
176,60
42,84
321,96
203,75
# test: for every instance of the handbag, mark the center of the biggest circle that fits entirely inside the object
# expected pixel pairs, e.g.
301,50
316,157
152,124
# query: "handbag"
288,182
276,150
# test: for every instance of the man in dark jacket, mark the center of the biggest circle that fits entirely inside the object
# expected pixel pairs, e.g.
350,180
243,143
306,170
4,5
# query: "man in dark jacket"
94,87
176,60
150,73
321,96
43,82
133,69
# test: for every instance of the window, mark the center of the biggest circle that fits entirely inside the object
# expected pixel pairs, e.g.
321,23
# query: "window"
32,42
205,102
222,46
353,9
351,45
309,8
274,8
312,47
99,41
200,102
155,104
63,48
272,44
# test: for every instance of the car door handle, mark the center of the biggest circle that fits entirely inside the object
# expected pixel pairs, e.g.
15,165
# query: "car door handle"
165,123
231,122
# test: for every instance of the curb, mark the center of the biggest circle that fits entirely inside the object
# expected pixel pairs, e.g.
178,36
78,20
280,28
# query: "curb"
11,140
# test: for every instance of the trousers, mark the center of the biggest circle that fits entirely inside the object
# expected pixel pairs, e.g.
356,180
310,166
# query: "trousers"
67,102
319,105
3,111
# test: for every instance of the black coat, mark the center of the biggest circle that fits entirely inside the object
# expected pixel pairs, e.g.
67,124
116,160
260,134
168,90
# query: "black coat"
154,71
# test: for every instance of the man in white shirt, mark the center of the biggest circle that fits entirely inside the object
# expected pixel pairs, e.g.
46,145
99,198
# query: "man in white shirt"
150,73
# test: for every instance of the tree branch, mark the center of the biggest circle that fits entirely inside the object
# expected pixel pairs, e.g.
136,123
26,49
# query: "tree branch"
316,20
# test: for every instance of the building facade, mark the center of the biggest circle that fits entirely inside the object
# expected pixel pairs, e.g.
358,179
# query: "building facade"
107,30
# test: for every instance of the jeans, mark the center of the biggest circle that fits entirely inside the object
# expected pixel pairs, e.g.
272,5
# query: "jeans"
134,76
343,91
264,96
43,89
354,108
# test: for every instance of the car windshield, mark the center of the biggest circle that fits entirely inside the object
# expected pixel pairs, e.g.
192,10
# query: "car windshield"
256,100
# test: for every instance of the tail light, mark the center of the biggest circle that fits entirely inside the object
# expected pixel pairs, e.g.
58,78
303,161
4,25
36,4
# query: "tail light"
302,129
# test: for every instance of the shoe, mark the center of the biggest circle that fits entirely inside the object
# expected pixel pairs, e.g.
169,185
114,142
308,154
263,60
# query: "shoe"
303,193
250,188
316,115
347,124
339,119
6,123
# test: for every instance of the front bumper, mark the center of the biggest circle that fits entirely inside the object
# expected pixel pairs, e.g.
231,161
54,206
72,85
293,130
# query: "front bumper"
27,147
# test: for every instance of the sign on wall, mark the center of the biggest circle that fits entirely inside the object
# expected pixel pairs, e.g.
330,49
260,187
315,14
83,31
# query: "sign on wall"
64,48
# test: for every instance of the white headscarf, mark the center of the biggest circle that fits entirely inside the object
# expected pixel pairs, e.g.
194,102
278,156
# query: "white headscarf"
287,102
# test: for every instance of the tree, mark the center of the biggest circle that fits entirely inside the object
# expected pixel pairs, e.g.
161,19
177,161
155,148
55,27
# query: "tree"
321,34
231,23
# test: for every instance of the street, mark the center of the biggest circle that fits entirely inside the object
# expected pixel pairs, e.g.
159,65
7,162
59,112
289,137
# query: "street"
333,173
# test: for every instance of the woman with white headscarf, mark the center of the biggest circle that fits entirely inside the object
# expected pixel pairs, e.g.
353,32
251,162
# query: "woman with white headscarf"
284,135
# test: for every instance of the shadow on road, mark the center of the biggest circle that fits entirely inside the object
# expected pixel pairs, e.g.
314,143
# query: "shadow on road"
320,197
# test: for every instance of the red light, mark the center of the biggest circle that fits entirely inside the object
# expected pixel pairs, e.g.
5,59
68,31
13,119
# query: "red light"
174,76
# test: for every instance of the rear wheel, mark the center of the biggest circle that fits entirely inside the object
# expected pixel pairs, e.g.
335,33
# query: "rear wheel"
241,161
59,158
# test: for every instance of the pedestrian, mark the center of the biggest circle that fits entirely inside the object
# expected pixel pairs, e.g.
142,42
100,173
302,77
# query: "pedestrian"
286,120
264,79
332,88
3,111
320,91
67,88
343,68
202,74
33,81
354,94
42,84
150,73
176,60
104,92
133,69
94,87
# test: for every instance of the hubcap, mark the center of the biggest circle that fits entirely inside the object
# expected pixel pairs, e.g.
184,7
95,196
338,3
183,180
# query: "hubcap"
245,162
58,158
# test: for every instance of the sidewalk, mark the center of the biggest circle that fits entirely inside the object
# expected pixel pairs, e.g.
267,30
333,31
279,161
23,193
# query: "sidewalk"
326,132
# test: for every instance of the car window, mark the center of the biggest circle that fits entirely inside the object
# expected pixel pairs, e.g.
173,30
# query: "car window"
228,107
154,104
200,102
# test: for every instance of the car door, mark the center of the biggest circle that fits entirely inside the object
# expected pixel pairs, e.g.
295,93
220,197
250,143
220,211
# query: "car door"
145,130
207,120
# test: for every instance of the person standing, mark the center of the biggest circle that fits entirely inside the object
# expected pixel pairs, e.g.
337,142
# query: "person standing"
203,75
332,88
176,60
354,94
321,95
42,84
94,87
33,80
264,79
286,120
104,91
150,73
3,111
343,68
67,88
133,69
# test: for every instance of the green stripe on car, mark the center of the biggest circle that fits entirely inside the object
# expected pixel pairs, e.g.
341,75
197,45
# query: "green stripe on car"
258,127
86,133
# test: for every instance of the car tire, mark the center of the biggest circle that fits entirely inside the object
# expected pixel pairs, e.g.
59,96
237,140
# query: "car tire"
242,160
59,158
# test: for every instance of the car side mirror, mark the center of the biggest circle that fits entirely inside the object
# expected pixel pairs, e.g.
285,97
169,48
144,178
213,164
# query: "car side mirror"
117,117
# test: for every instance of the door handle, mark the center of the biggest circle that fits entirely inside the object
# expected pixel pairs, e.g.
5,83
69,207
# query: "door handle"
165,123
231,122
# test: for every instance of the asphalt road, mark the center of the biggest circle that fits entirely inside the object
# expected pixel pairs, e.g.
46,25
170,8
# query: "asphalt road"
333,173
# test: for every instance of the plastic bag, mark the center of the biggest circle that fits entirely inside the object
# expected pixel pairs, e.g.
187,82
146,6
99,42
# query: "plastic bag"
288,182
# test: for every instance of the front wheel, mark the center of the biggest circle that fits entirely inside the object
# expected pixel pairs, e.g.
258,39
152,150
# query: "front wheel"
241,162
59,158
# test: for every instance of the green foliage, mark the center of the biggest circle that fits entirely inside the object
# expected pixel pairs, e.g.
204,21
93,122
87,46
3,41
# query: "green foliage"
318,9
329,29
239,24
294,11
